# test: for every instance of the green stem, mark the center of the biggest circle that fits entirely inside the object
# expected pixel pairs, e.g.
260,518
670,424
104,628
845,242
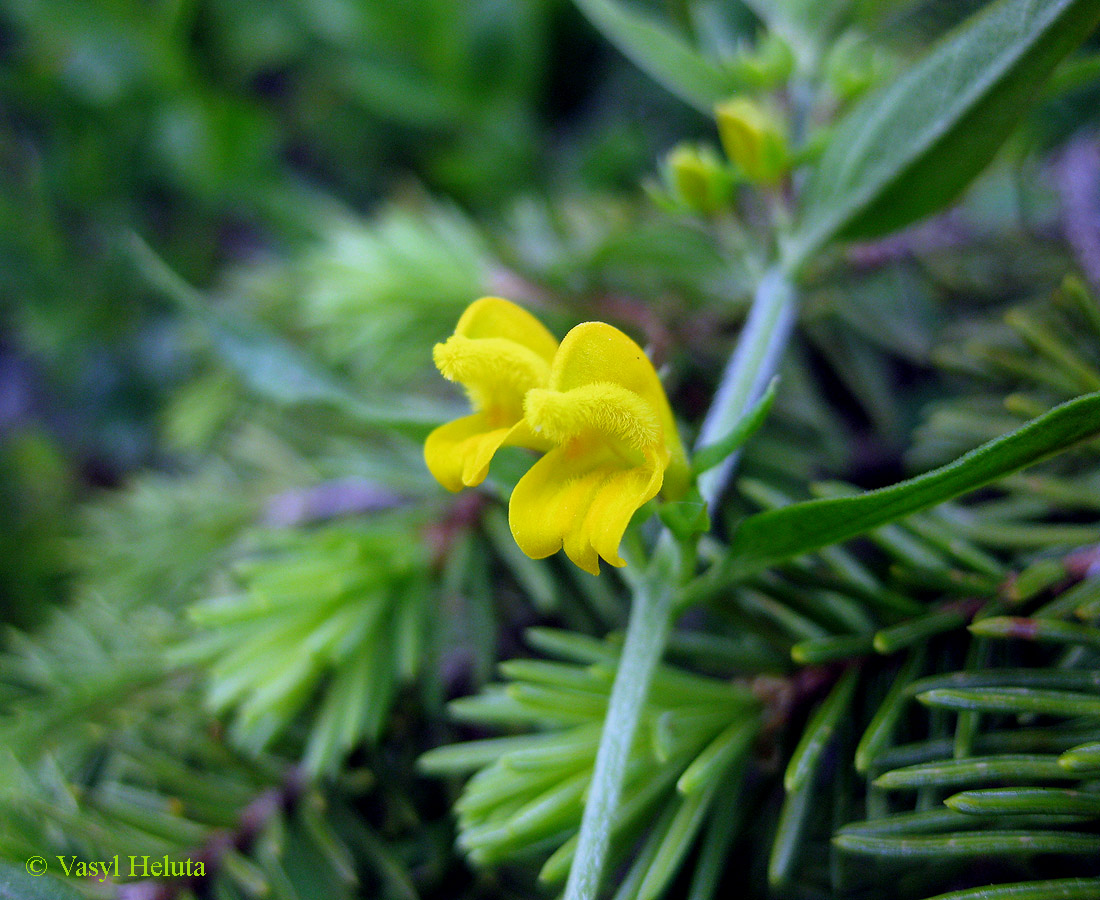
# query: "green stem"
646,635
753,364
751,367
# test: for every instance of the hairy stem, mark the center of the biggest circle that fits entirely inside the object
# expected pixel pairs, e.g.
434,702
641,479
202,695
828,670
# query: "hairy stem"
646,636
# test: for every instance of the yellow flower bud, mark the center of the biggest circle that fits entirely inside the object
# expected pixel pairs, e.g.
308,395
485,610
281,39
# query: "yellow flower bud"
754,138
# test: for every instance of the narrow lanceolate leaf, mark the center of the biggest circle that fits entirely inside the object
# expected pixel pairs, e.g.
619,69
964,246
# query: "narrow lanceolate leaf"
788,835
708,457
25,882
1042,679
1026,801
775,535
677,841
800,21
819,732
1048,630
929,821
1058,889
976,770
885,719
833,647
717,757
997,844
1014,700
917,630
661,53
909,149
1082,758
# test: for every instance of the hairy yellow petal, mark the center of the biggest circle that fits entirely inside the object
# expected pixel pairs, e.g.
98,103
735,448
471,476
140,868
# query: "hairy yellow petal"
603,407
595,352
498,352
495,371
595,403
621,495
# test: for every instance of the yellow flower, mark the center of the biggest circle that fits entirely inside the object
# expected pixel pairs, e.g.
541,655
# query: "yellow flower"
615,441
498,353
594,403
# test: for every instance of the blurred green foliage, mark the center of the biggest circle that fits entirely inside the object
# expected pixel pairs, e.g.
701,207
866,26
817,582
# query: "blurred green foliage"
219,131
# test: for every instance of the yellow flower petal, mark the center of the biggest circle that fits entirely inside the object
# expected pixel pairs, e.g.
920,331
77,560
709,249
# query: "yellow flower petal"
496,372
498,352
595,404
593,366
492,317
610,409
458,453
581,498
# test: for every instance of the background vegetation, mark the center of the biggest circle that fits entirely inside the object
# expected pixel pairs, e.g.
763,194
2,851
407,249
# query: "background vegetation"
245,625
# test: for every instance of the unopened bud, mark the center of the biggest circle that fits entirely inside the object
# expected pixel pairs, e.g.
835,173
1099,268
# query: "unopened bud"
767,65
853,67
698,179
754,138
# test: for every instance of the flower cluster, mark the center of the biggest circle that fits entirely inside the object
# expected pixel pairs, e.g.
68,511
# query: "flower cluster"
594,407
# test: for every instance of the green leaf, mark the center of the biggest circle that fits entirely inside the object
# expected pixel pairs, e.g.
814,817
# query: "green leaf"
789,833
708,457
802,22
918,630
995,844
708,766
661,53
911,148
533,575
770,537
975,770
725,823
1061,889
816,651
472,755
1047,739
884,722
677,841
1014,700
1041,679
801,775
16,883
685,518
928,821
1042,630
819,732
1026,801
1083,758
